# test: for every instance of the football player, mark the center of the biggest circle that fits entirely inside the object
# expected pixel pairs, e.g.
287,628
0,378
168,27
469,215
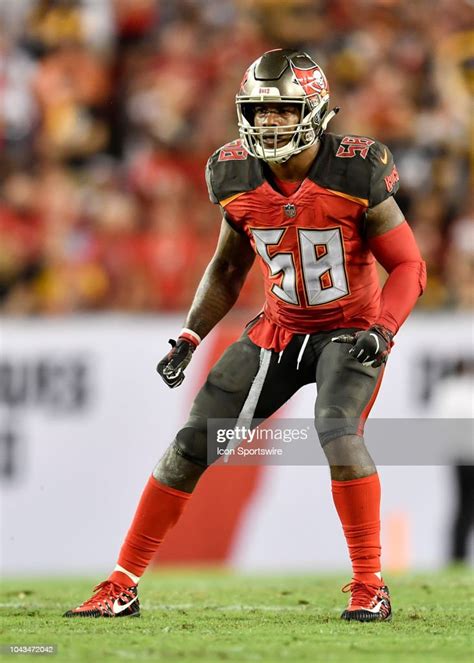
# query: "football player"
317,211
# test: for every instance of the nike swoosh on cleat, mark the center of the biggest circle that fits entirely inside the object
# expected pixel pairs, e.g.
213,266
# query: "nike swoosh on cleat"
118,608
376,609
384,158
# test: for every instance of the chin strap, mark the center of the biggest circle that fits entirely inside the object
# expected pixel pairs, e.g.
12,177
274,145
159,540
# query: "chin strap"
327,118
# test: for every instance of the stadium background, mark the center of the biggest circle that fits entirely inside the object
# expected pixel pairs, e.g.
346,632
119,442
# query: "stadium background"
108,112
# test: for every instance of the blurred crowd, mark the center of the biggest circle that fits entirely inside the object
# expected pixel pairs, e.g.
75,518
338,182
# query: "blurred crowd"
109,110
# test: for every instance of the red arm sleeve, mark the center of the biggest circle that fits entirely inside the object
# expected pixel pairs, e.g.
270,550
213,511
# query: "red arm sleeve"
398,253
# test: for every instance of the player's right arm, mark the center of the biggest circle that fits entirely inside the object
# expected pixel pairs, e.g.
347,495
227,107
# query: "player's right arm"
222,281
216,294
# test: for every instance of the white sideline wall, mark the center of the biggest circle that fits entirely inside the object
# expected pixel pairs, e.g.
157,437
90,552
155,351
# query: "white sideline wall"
84,417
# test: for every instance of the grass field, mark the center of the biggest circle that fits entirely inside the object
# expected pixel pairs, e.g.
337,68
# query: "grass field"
189,617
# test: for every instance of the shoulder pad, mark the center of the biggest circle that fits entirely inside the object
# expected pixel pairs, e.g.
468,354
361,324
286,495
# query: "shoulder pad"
358,166
231,171
385,180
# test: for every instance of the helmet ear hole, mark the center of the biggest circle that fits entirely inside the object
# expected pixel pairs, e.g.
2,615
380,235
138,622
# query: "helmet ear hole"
309,136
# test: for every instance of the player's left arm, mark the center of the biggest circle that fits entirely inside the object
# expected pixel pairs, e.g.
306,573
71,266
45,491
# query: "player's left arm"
393,244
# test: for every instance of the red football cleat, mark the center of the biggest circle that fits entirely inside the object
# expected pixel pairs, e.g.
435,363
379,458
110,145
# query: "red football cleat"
109,600
368,603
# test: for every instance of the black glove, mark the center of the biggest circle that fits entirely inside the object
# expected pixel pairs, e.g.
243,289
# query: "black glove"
370,347
171,368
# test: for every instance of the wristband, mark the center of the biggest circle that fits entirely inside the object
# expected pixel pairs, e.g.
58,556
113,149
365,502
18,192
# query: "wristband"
190,336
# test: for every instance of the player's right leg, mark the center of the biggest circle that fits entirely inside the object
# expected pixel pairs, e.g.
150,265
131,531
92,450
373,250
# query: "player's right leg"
168,490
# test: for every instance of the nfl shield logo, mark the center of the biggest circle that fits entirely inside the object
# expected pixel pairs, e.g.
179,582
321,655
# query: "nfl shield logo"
290,210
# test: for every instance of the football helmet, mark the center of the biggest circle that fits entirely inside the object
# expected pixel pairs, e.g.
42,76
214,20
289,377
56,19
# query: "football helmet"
290,77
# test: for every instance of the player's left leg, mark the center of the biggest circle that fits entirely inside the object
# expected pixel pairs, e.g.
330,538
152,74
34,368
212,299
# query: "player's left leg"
346,392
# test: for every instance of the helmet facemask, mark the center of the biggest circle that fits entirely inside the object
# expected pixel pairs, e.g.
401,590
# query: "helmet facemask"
297,81
301,136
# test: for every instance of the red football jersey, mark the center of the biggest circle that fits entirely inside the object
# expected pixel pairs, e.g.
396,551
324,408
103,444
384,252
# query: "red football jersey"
318,269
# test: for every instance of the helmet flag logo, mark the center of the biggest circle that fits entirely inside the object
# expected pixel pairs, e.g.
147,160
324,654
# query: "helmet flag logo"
312,81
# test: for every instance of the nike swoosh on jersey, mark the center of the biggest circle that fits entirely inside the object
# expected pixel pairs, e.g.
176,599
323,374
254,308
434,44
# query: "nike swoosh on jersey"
384,158
118,608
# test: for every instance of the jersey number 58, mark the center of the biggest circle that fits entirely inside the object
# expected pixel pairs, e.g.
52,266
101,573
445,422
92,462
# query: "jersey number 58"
322,262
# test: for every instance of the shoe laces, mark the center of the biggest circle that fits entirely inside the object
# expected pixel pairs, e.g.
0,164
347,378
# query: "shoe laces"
362,594
106,590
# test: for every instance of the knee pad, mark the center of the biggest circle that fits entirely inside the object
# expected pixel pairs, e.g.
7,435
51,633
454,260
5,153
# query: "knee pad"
191,444
334,421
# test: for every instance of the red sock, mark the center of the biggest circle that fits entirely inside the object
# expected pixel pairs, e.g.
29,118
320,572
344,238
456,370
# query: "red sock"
158,510
358,505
